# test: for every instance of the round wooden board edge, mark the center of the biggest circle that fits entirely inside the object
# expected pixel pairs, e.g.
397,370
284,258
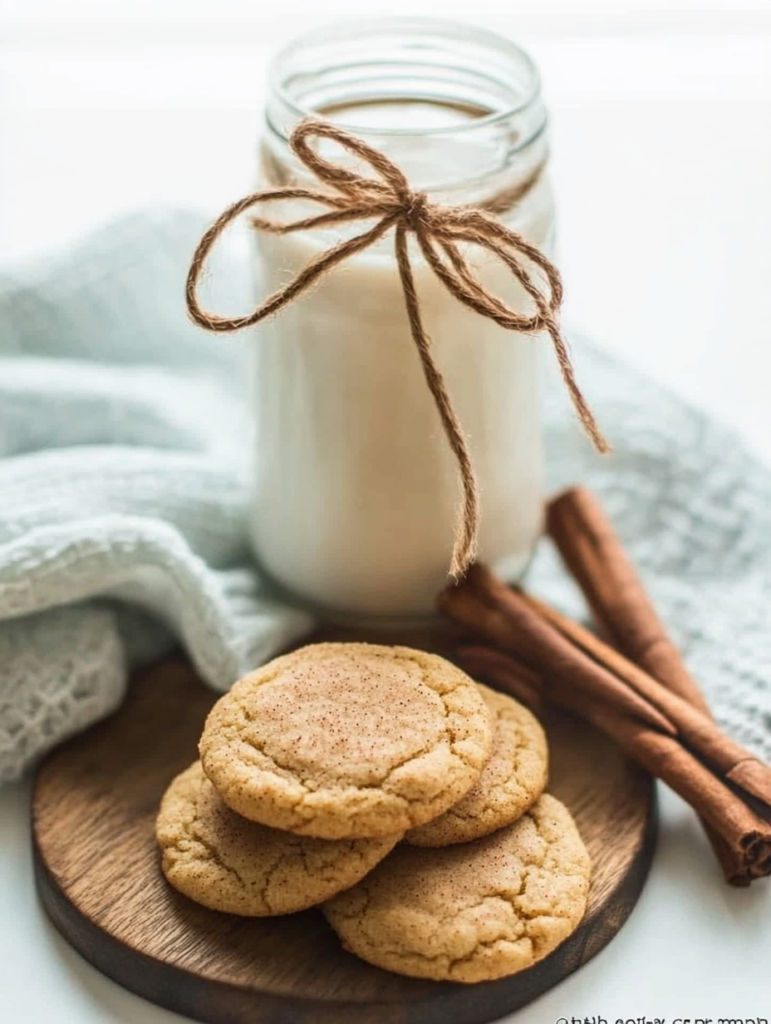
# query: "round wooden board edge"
214,1002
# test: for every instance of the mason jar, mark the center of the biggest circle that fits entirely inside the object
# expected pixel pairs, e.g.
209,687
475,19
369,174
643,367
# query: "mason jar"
356,490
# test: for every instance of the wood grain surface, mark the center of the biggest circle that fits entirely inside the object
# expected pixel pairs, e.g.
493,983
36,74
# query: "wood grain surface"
98,875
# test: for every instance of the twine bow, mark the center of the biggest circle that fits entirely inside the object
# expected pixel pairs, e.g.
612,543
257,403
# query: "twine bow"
438,230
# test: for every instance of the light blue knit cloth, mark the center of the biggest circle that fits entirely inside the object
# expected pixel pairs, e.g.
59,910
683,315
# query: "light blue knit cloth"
123,501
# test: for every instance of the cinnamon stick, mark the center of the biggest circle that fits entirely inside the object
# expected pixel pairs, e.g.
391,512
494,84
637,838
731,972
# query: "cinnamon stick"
594,554
592,551
735,824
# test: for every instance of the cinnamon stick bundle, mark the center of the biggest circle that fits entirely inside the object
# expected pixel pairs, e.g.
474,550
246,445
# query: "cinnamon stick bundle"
595,556
736,824
537,652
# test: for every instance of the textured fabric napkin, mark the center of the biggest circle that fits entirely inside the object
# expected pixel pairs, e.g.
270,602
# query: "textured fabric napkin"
123,499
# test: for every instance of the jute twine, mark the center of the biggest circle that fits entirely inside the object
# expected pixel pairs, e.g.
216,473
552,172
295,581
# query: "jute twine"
438,231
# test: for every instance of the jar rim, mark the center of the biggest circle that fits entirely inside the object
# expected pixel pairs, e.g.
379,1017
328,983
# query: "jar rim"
440,28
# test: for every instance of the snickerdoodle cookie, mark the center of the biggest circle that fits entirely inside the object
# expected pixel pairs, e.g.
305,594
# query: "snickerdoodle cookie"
511,781
351,740
472,912
227,863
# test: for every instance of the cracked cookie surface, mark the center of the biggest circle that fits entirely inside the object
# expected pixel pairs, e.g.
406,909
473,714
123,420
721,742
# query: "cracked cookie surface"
473,912
341,740
511,781
226,863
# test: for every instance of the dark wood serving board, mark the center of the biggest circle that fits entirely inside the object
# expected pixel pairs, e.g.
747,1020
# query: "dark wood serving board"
98,876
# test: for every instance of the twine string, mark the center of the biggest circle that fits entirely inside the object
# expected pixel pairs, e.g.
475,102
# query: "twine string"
439,232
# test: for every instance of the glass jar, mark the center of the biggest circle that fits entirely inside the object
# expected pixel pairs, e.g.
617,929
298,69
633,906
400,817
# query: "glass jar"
356,490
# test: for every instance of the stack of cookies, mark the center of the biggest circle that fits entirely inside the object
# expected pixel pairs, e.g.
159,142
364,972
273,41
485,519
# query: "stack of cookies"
386,785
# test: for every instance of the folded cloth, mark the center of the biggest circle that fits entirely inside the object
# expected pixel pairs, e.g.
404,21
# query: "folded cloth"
122,494
123,498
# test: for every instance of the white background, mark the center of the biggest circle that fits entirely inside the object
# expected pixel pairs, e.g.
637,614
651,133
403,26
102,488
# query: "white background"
662,163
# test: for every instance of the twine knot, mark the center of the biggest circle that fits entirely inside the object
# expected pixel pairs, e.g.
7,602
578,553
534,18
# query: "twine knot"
439,232
416,207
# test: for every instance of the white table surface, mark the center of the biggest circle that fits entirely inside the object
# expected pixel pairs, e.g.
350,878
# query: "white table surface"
662,162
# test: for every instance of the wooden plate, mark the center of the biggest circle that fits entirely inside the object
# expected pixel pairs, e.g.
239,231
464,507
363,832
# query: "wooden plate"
97,870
